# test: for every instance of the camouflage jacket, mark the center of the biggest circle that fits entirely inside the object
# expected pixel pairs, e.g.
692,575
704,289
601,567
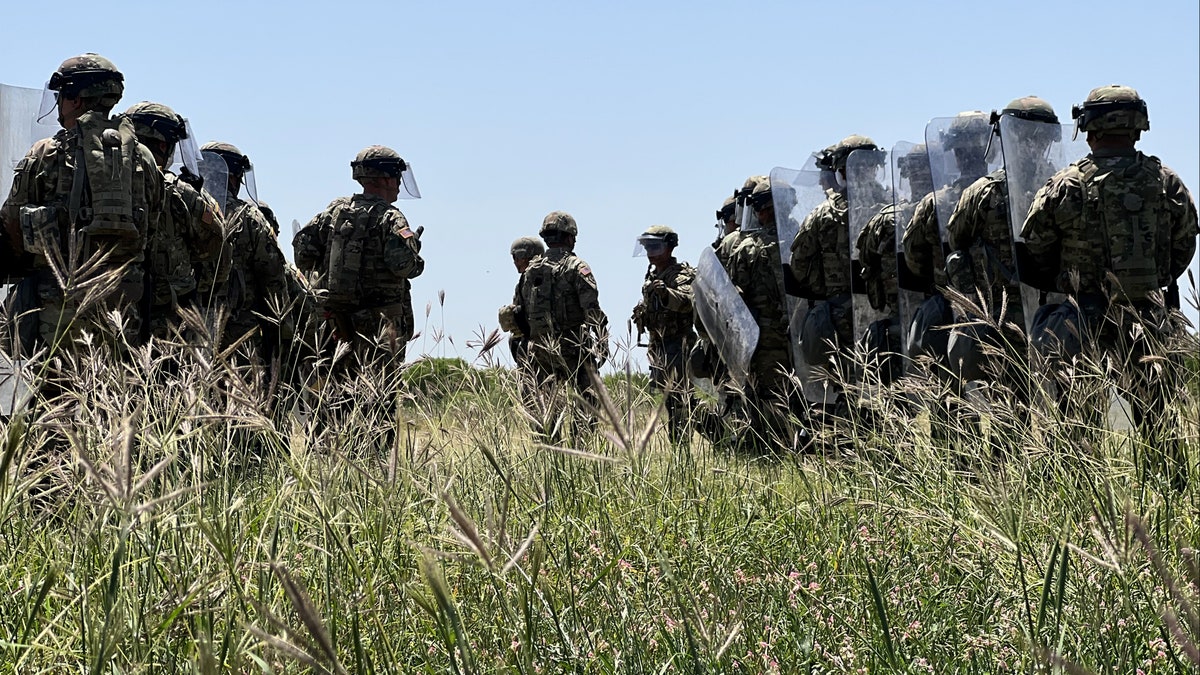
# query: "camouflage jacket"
667,313
257,269
381,256
877,255
1121,214
924,252
726,247
44,178
559,298
756,271
190,231
821,251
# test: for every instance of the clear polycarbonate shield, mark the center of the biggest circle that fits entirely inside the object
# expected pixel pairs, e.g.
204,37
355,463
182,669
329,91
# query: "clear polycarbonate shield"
16,385
725,316
295,227
216,177
1033,152
19,129
640,244
47,104
796,192
911,182
249,185
408,183
187,153
868,191
954,168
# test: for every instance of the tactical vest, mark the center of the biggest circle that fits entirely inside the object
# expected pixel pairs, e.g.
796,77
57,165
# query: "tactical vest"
354,226
1129,206
108,198
549,300
657,317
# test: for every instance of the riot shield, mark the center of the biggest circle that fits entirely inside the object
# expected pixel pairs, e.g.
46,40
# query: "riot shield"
19,129
796,192
724,315
15,385
867,172
911,182
1033,151
957,159
187,153
216,177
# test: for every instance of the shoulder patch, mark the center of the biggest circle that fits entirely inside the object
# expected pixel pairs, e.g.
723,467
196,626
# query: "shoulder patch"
585,270
406,233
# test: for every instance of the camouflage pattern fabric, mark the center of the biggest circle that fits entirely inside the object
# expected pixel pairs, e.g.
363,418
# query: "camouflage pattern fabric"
568,332
726,247
980,227
121,204
877,255
922,242
665,311
820,257
190,231
1124,214
256,271
381,258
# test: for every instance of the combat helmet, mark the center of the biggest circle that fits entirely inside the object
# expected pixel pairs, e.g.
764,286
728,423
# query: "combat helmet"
839,153
728,207
1032,108
659,233
377,161
157,121
915,163
234,159
559,221
968,130
527,248
1112,109
88,76
762,195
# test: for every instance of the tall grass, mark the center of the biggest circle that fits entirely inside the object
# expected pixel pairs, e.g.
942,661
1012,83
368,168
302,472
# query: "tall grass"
167,514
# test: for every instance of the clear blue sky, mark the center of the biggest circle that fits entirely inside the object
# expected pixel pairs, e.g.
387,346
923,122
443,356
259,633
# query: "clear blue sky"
624,114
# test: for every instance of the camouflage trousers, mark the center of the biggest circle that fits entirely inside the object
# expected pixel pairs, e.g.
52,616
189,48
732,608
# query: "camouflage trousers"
62,318
668,373
558,381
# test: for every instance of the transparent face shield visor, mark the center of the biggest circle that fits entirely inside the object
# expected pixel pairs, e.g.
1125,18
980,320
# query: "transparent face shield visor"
408,184
249,183
187,153
648,247
748,222
49,104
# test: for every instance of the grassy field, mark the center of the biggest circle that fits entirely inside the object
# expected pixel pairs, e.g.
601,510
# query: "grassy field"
160,522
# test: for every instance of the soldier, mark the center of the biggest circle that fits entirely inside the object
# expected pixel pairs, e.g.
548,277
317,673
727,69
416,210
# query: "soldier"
877,255
257,267
568,332
523,250
665,312
91,190
981,262
191,229
1112,230
821,264
365,256
756,271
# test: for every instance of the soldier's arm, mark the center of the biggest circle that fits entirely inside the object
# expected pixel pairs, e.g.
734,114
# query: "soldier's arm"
1042,230
963,227
679,298
917,253
310,242
268,262
204,228
1184,227
402,248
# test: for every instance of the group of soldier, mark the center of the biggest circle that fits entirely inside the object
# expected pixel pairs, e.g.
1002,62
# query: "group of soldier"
996,247
122,219
959,258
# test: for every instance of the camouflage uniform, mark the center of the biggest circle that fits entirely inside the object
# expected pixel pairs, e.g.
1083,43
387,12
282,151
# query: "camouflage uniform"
1112,230
523,251
665,311
111,207
257,278
389,258
568,332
